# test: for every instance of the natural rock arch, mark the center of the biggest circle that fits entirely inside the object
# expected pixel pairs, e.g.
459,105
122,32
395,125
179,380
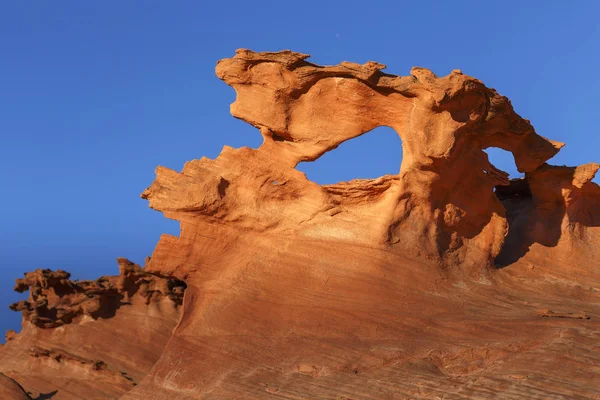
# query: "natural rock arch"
504,160
304,110
350,290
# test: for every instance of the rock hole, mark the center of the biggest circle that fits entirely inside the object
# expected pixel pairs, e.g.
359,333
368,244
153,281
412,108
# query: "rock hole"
371,155
223,185
514,198
503,160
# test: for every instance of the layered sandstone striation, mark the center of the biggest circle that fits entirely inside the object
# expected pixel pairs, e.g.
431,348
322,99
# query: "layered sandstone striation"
446,280
90,339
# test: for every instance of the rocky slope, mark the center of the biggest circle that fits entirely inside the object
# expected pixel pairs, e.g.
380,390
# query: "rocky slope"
447,280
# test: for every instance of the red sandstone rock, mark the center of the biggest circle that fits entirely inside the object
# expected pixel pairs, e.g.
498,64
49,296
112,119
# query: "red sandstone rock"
371,289
560,220
304,110
90,339
11,390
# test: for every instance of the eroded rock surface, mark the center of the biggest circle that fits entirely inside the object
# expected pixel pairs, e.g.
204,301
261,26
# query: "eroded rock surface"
560,213
382,288
304,110
55,300
90,339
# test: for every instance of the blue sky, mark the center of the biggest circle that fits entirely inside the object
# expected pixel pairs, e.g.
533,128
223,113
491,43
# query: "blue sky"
95,95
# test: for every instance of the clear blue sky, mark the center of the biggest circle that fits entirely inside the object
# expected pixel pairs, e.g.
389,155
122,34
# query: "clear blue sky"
95,94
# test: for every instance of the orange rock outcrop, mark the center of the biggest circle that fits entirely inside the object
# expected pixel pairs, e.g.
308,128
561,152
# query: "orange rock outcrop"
303,110
446,280
90,339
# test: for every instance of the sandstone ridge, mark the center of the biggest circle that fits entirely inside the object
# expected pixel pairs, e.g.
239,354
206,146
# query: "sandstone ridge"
382,288
445,280
440,206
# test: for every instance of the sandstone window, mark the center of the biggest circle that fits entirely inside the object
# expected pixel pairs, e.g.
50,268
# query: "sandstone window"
504,160
371,155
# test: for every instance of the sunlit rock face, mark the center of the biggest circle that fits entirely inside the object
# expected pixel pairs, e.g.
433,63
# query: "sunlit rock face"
440,206
386,288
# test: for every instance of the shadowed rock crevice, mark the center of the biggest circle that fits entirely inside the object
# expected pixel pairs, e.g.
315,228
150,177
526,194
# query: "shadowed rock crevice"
11,389
46,396
553,206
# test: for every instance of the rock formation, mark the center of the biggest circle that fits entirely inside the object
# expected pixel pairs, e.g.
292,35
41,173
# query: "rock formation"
387,288
54,300
560,212
303,110
90,339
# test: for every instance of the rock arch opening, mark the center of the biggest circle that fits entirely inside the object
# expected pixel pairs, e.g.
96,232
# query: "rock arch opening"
503,160
515,197
371,155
